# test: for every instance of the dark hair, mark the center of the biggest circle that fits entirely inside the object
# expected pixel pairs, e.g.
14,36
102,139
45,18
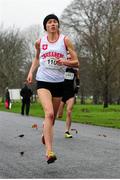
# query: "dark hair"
50,16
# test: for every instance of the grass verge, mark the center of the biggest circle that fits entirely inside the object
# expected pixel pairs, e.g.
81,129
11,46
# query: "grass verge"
86,114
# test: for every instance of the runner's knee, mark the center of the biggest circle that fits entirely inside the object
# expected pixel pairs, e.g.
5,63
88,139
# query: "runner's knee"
69,112
49,115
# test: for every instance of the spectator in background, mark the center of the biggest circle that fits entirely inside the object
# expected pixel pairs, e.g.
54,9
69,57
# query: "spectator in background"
26,93
7,98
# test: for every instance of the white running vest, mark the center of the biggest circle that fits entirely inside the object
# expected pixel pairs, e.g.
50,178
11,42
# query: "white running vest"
48,70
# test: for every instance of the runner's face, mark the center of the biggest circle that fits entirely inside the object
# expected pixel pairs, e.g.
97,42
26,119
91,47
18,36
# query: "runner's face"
52,25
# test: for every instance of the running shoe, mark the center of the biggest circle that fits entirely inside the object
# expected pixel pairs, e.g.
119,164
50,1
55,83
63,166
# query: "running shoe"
43,139
59,116
51,157
68,135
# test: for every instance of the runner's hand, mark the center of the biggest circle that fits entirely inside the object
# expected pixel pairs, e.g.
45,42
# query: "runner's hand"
60,62
30,78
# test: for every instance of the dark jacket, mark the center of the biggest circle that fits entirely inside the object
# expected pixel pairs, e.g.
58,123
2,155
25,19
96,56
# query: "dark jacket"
7,96
26,93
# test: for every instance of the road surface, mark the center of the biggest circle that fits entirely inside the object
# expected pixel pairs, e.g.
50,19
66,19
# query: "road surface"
92,153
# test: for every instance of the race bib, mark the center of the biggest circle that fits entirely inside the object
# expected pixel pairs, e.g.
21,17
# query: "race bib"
69,75
50,63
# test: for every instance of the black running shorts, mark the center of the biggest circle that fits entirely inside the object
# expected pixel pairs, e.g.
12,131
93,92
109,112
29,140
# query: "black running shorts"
56,89
67,95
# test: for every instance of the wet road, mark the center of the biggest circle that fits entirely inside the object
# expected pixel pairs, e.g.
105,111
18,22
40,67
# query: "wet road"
92,153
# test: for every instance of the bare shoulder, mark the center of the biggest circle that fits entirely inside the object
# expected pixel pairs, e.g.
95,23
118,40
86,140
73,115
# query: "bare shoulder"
67,40
69,43
37,44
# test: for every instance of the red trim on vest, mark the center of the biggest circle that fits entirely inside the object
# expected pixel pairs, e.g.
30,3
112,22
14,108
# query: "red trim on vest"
38,43
55,40
65,43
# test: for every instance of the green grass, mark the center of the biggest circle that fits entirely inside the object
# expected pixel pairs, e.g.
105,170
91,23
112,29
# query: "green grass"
86,114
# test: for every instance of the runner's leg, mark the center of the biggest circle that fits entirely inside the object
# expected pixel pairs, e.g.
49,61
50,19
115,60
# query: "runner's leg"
46,101
60,110
56,104
69,104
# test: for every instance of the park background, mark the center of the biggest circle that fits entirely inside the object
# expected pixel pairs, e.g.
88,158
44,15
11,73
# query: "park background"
94,27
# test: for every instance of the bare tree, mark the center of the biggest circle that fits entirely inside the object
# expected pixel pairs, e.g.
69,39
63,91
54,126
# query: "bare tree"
97,24
31,34
12,58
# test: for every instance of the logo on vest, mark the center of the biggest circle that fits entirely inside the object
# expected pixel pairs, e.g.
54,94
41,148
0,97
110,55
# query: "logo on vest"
44,46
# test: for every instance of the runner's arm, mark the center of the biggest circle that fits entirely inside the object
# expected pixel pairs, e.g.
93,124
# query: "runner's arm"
77,81
73,62
35,63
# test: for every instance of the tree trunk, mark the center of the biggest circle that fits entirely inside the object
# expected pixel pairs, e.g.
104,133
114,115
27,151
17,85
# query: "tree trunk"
95,98
82,99
118,100
105,97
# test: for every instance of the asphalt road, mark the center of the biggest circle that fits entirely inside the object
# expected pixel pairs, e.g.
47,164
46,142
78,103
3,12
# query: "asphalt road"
92,153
